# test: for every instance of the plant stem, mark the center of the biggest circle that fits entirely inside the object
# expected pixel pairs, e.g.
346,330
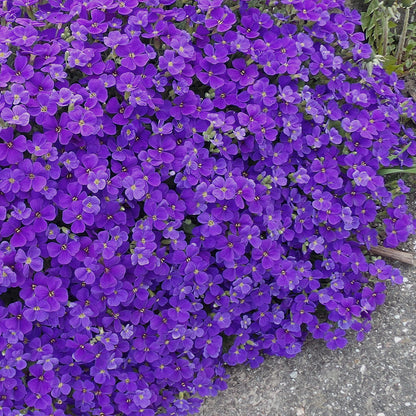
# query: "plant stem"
385,32
30,12
403,35
393,254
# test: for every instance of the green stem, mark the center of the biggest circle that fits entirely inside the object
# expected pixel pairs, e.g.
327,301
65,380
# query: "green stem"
395,156
3,19
30,13
385,32
403,35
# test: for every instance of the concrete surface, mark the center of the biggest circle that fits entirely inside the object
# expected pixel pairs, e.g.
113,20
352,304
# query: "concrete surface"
375,377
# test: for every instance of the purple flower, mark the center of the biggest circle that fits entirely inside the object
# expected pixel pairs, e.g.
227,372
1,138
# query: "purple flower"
87,274
64,250
82,121
326,172
142,398
83,391
243,74
210,226
52,293
10,180
223,189
115,38
91,205
211,74
104,245
69,160
222,18
113,271
61,386
133,55
335,339
41,381
12,149
97,180
39,146
43,109
361,51
17,320
172,63
20,235
135,187
268,253
20,211
17,115
80,317
254,119
183,47
24,35
34,176
212,347
16,95
350,125
23,71
57,72
30,260
37,309
4,53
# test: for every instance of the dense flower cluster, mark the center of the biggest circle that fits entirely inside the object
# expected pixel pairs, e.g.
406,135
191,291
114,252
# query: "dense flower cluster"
185,185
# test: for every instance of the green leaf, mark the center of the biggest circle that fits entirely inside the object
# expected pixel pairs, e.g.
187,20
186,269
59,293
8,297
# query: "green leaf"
410,47
384,172
407,3
373,6
390,64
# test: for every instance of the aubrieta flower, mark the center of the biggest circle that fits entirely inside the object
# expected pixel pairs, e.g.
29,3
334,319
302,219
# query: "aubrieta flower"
83,122
16,115
12,148
184,187
30,260
64,249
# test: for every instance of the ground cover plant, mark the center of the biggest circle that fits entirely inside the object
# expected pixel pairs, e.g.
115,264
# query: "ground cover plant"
184,186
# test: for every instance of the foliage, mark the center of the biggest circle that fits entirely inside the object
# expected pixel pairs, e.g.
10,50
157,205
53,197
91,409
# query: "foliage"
387,28
186,186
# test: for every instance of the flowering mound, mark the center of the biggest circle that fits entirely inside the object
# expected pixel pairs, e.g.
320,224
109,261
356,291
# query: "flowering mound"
186,185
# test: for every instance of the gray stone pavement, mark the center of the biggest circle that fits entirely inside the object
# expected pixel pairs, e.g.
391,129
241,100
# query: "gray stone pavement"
375,377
